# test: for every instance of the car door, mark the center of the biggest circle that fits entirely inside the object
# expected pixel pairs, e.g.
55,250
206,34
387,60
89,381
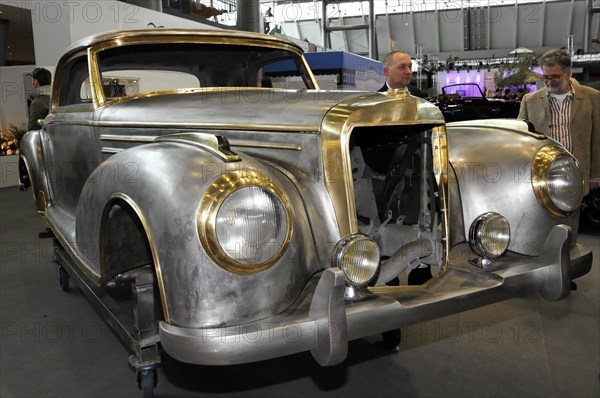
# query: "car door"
69,142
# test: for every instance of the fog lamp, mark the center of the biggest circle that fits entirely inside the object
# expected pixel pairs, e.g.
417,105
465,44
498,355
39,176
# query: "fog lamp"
357,256
489,235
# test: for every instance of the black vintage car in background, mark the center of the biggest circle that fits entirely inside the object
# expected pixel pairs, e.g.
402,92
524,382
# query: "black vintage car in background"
466,101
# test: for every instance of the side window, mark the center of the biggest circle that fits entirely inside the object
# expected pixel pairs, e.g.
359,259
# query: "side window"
74,85
284,73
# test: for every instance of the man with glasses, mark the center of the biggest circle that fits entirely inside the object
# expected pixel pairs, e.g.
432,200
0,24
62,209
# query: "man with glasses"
567,112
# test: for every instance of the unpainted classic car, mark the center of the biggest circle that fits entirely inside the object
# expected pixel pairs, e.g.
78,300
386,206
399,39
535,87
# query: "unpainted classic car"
222,222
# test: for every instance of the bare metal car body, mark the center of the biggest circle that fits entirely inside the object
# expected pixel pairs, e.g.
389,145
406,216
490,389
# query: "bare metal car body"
148,187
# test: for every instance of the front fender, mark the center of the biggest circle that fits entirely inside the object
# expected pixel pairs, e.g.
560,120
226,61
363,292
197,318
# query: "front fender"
492,167
163,183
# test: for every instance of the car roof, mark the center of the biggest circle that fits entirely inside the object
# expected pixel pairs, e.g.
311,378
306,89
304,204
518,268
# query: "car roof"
185,34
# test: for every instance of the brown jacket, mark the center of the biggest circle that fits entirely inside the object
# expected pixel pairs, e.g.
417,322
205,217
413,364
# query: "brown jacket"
585,125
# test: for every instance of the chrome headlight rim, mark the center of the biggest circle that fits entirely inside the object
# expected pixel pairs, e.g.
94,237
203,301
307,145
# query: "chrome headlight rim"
343,247
540,168
477,240
210,204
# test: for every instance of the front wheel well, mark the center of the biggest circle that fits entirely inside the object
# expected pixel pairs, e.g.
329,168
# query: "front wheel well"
124,244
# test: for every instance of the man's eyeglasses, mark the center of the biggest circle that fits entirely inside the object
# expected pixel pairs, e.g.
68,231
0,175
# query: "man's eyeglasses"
552,77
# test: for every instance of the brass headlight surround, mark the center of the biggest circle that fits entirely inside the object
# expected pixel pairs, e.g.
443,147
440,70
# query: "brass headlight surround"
539,179
209,206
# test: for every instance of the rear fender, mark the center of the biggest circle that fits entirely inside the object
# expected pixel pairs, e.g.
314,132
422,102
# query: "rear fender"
32,170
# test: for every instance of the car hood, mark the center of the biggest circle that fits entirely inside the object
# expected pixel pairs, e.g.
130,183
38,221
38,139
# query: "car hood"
251,109
226,108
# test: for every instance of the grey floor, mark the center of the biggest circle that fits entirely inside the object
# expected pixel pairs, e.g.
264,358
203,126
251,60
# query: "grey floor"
53,344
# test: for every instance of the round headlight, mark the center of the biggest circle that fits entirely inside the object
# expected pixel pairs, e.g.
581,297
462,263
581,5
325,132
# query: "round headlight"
243,222
358,257
251,225
557,181
489,235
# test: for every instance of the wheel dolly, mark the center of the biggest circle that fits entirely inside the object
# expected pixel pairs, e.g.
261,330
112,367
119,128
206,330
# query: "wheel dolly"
136,329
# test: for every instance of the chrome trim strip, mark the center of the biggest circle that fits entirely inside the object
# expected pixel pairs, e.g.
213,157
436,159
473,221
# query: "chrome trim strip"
128,138
268,146
109,149
303,129
152,138
214,126
70,122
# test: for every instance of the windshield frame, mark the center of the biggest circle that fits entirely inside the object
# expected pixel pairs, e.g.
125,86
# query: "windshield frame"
95,54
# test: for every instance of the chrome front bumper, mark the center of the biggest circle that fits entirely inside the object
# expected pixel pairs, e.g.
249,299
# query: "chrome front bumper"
323,323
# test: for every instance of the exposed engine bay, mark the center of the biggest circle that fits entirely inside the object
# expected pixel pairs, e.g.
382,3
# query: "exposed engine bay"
397,203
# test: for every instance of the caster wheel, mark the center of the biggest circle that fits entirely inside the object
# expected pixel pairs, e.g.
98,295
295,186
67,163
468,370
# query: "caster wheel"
147,382
392,339
63,279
